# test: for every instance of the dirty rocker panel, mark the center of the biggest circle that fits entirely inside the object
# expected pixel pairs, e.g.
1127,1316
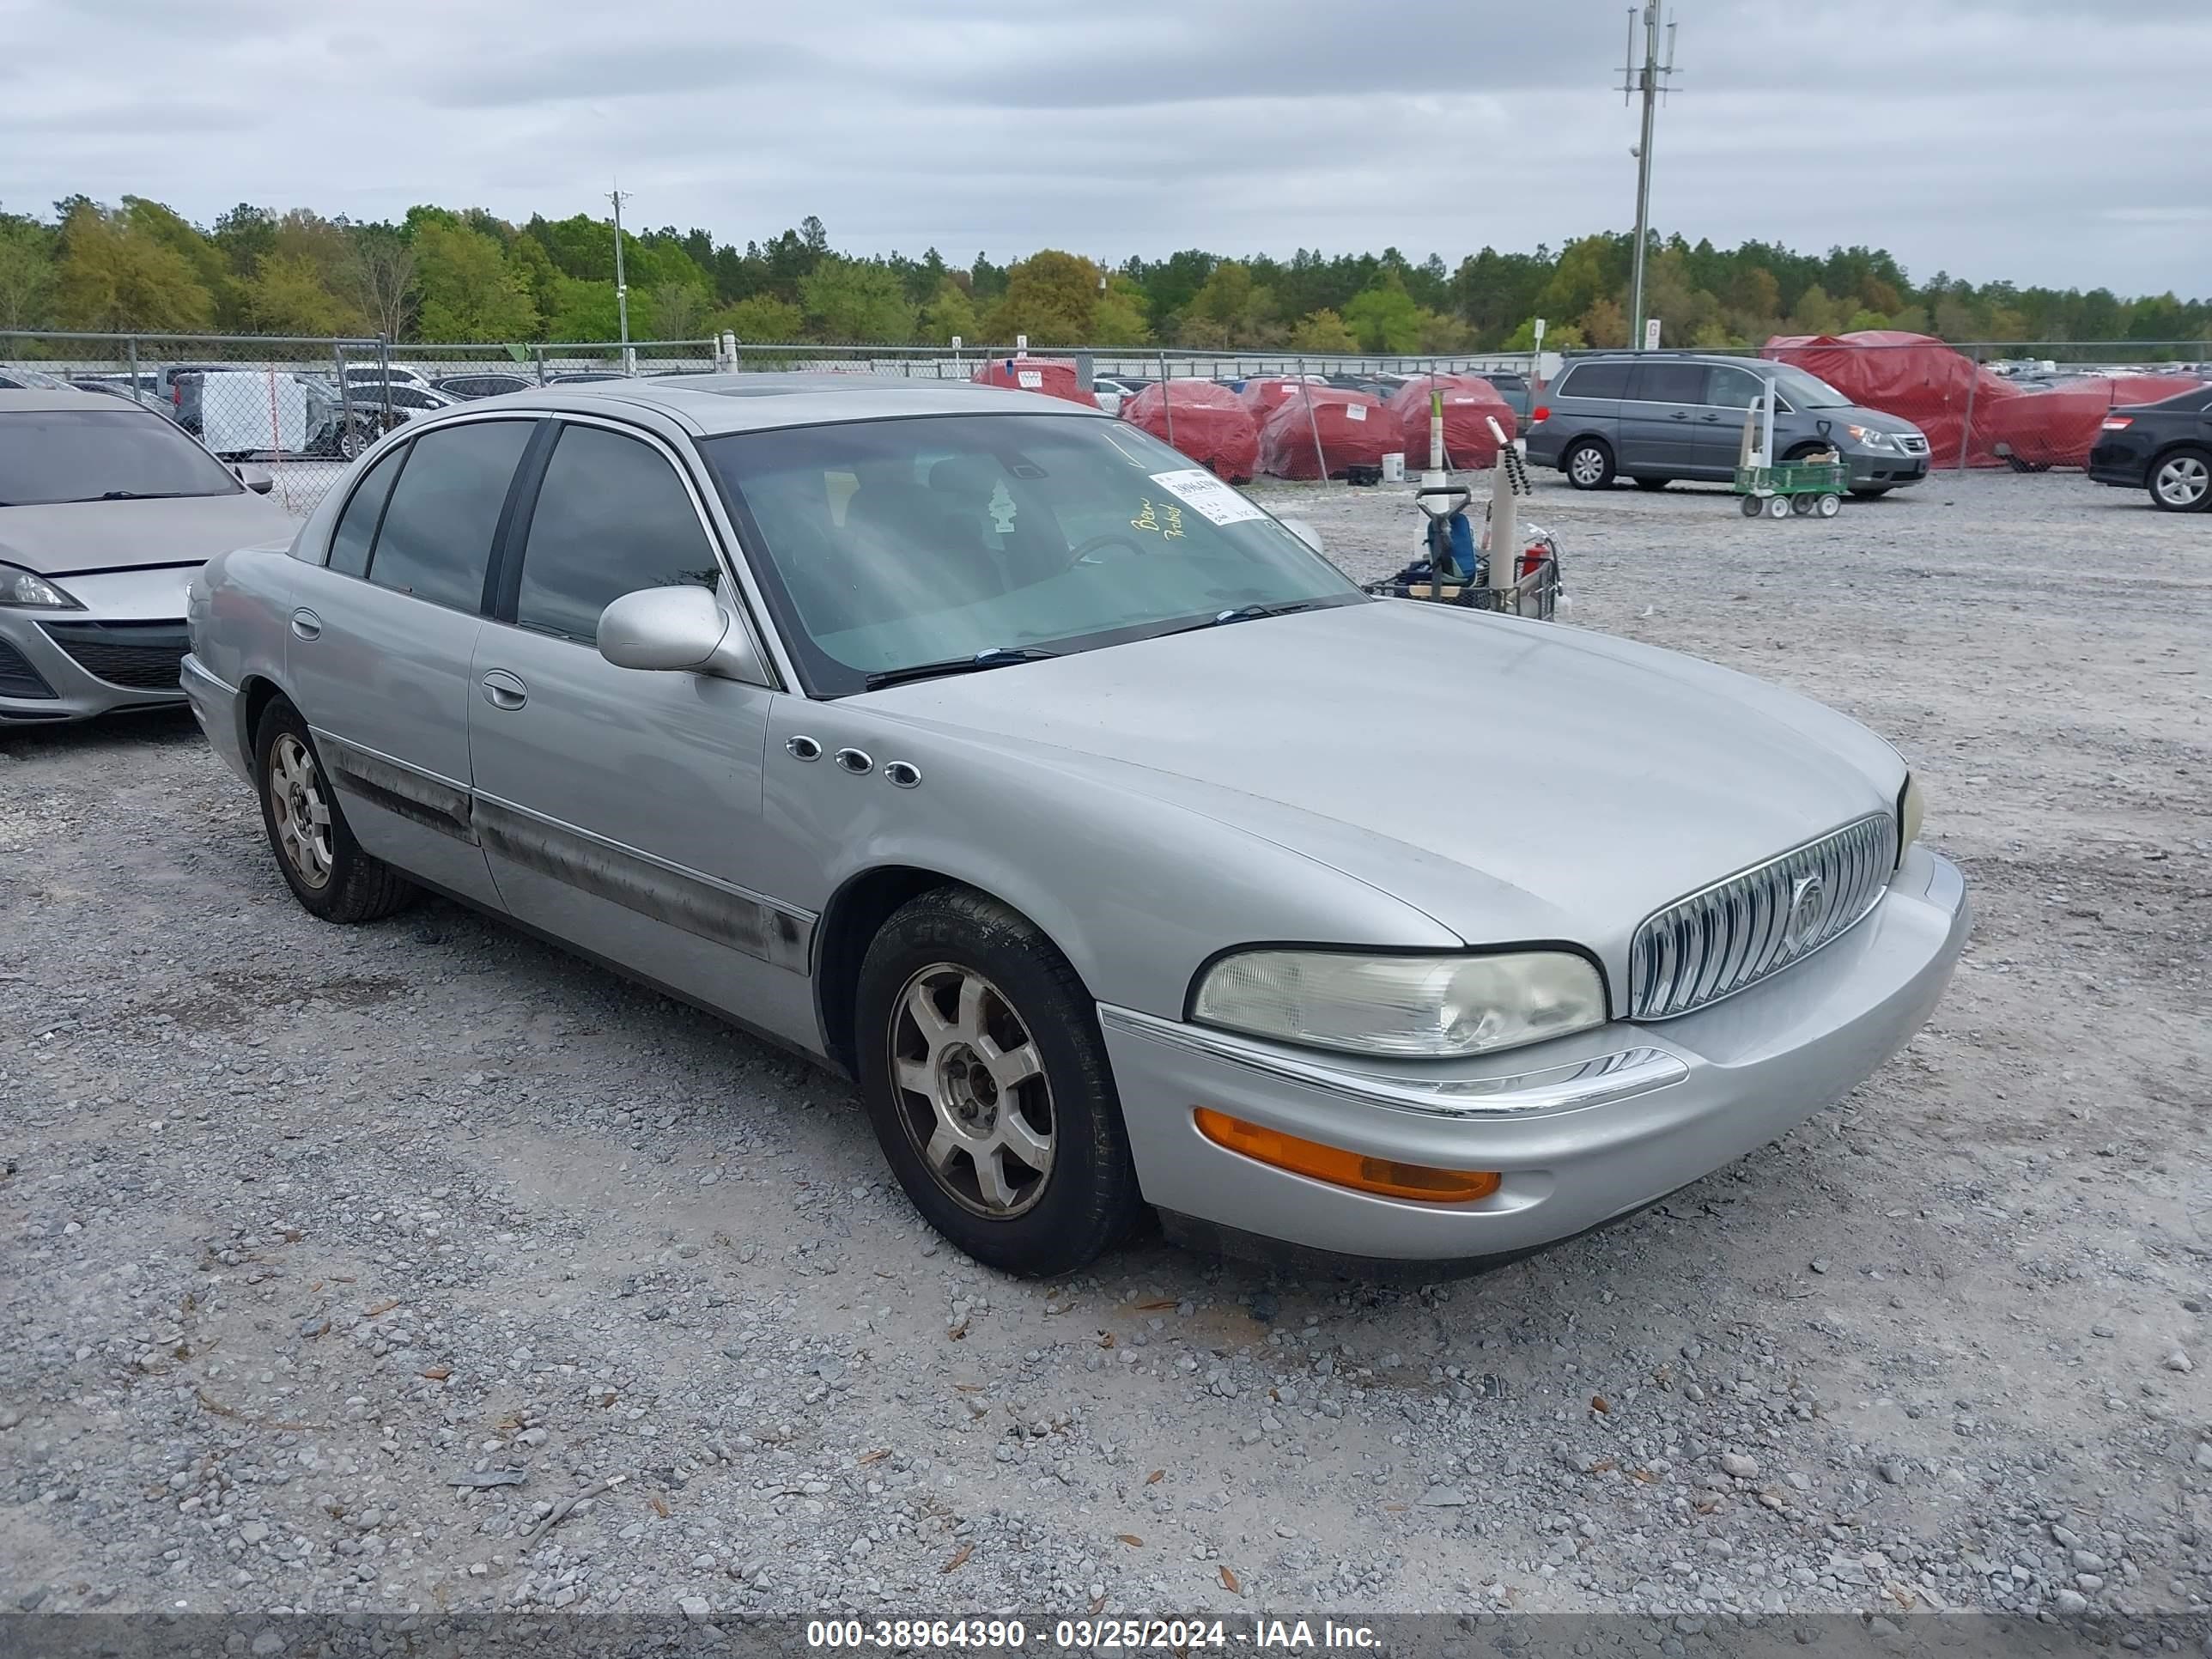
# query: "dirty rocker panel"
718,911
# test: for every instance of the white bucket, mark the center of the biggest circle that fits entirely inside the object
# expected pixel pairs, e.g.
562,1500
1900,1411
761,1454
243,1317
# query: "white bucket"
1394,467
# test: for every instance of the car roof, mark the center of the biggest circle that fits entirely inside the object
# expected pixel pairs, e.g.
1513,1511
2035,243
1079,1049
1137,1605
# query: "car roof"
12,402
715,403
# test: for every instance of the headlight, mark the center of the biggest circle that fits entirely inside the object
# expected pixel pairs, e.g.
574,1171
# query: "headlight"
1866,438
21,587
1407,1007
1909,810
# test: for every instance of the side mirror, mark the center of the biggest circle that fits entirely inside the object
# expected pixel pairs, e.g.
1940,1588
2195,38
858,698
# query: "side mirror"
1306,533
680,629
258,479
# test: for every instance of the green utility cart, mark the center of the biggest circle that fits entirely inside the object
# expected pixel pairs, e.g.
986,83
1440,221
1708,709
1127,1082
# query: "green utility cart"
1804,487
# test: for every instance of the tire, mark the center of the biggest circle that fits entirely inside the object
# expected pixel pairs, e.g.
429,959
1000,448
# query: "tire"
1588,464
1753,506
1828,506
2180,481
1777,507
1870,493
1801,505
1645,480
329,873
1012,1016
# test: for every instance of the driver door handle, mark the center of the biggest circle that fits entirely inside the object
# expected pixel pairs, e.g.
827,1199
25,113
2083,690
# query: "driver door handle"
504,691
306,624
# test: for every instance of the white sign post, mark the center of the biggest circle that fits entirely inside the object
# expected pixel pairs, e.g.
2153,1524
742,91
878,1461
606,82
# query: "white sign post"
1651,334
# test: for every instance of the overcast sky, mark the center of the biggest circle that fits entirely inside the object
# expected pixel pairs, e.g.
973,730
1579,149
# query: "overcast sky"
2059,141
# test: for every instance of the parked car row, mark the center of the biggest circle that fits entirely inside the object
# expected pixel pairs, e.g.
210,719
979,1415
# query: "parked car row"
945,801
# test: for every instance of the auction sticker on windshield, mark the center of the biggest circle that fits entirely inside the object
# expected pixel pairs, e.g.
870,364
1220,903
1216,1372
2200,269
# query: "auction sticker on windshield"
1207,495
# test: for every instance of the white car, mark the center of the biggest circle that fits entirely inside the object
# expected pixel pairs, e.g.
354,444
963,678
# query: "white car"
375,374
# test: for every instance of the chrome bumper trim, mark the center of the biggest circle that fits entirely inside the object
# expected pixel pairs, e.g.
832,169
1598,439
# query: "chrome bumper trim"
1597,1082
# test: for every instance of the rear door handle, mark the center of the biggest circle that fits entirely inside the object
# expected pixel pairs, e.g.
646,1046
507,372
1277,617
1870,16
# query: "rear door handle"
504,691
1681,413
306,624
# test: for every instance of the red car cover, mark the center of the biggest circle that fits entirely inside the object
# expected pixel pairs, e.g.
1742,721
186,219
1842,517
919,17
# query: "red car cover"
1210,424
1355,430
1470,405
1931,385
1260,396
1053,376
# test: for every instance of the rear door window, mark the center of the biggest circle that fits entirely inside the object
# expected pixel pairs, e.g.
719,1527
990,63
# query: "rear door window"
435,542
612,518
1596,380
356,530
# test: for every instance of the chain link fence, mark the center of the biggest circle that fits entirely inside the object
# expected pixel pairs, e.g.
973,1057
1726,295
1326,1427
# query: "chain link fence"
2026,405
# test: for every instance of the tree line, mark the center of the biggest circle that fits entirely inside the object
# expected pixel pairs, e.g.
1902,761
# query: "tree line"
440,275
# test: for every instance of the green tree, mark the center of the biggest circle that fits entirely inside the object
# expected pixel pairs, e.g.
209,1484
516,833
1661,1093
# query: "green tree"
1240,308
1118,319
285,295
27,273
1384,317
583,311
534,269
380,278
1442,333
1323,330
1815,312
470,291
949,315
114,275
1049,297
761,319
855,301
678,310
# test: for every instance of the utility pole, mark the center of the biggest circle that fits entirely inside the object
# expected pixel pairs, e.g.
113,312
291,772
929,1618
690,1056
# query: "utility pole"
621,287
1650,81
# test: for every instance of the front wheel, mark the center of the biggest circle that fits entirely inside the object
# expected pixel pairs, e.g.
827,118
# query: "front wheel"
987,1083
2182,482
1587,464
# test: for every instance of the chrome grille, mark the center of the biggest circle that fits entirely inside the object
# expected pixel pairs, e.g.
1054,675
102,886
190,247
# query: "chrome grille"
1736,933
1912,443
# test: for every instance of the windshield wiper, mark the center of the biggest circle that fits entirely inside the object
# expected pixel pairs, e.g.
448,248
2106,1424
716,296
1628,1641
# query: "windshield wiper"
997,656
138,495
1243,613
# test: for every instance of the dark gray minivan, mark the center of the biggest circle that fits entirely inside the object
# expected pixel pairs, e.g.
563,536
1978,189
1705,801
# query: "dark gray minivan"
1656,417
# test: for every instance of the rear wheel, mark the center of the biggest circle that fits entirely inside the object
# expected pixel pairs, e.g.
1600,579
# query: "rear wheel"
987,1083
1645,480
2181,480
321,862
1828,506
1753,506
1802,505
1588,464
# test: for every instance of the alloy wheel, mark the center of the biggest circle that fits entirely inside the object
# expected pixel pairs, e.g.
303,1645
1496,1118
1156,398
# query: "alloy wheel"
2183,481
971,1091
1587,467
301,813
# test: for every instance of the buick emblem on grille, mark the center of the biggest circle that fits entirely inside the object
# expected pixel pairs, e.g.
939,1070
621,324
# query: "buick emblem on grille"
1808,907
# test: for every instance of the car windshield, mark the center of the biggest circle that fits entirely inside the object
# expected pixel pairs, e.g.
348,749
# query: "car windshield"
895,542
1806,391
49,456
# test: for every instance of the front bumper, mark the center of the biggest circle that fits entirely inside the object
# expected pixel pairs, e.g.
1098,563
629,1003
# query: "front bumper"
1583,1130
121,651
1886,469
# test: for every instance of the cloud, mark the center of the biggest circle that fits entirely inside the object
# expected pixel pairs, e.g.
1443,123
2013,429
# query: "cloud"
1971,137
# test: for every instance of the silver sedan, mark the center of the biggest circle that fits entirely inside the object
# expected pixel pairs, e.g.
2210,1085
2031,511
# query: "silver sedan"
990,751
106,512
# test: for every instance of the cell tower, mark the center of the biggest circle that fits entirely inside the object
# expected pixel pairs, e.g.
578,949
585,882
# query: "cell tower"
1648,81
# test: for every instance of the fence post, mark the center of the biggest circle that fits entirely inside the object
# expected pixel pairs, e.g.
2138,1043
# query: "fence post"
384,381
131,346
1312,423
1966,428
345,400
1167,402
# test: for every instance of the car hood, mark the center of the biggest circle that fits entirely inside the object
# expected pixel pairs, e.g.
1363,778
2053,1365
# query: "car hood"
1513,780
75,535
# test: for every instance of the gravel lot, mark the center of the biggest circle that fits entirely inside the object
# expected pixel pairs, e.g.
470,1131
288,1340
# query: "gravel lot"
419,1265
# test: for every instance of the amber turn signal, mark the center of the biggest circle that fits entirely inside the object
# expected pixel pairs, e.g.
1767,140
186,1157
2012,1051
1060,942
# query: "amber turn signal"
1343,1169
